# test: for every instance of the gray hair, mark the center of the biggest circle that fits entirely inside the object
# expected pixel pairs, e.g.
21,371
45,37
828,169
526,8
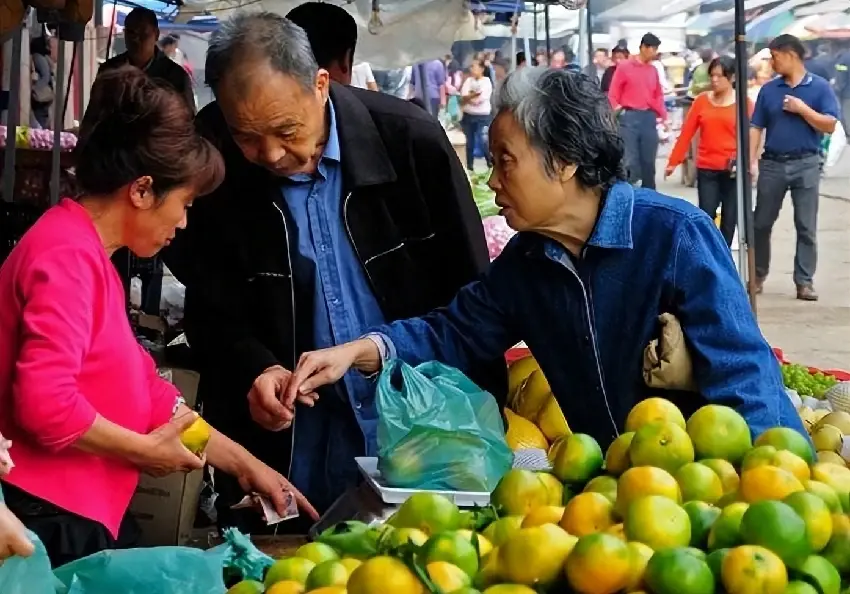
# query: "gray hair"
260,36
568,120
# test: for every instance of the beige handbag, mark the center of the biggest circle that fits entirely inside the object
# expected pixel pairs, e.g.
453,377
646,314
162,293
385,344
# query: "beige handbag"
667,363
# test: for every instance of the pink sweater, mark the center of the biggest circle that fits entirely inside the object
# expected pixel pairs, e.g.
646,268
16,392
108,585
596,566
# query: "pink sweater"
67,353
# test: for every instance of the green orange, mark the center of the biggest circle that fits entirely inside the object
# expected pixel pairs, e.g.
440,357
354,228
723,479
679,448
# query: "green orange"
502,529
453,548
663,445
728,475
837,477
768,483
820,571
815,514
826,493
699,483
327,573
617,457
296,569
641,481
654,410
719,432
677,571
785,438
702,516
837,550
519,491
753,570
641,554
429,512
776,526
535,556
658,522
606,485
576,458
726,530
599,564
587,513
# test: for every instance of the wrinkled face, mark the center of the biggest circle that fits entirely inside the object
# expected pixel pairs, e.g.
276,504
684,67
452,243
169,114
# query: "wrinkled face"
275,121
140,37
719,82
559,60
154,221
528,197
782,62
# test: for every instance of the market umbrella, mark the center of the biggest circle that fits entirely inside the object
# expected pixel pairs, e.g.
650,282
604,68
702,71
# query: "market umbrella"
799,28
770,27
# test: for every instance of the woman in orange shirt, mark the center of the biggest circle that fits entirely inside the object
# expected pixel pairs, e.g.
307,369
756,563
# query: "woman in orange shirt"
713,115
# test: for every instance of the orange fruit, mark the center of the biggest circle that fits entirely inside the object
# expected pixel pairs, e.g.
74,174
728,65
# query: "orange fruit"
699,483
654,410
815,514
785,438
502,529
719,432
429,512
505,589
768,482
641,554
554,486
726,530
617,457
657,522
728,475
327,573
702,516
452,548
645,480
753,570
821,572
599,564
484,545
447,577
617,530
523,434
575,458
384,574
784,459
776,526
317,552
837,477
285,587
535,556
678,571
254,587
663,445
587,513
605,485
826,493
545,514
520,491
294,569
837,550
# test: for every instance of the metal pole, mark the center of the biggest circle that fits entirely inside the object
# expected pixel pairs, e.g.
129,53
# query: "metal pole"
58,121
589,18
423,88
13,115
744,183
535,31
548,38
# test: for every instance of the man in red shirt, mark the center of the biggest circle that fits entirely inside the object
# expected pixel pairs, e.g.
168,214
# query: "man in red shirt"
637,96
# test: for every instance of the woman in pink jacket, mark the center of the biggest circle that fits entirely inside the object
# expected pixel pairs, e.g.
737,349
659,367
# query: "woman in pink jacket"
81,400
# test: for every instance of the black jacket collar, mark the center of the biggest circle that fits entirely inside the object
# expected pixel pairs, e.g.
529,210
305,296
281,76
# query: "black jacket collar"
365,161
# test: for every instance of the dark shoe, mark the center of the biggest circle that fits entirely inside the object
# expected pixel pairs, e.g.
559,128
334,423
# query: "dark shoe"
806,293
759,286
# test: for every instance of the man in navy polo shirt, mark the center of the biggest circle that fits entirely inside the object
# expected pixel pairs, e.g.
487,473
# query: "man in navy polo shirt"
792,113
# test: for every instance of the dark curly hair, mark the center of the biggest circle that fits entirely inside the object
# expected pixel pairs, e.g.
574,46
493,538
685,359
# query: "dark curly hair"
135,127
569,120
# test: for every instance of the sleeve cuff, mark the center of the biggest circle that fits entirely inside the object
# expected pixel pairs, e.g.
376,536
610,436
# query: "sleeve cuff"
385,345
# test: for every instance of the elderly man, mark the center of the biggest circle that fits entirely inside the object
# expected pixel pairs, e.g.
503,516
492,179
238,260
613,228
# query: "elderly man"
342,209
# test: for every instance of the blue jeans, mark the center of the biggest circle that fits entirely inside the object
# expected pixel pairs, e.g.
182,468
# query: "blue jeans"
473,128
640,138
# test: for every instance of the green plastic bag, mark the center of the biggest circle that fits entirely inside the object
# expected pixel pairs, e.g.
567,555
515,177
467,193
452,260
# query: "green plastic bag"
437,430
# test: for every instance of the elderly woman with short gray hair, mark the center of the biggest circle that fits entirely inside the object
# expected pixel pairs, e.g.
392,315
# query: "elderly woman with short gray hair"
583,282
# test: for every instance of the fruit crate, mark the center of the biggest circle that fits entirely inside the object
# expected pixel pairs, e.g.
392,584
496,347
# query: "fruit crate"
33,169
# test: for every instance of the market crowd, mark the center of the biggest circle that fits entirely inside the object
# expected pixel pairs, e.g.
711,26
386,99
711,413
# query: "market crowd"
321,230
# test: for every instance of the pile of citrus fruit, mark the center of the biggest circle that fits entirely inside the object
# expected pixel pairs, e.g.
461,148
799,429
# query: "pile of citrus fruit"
674,506
534,417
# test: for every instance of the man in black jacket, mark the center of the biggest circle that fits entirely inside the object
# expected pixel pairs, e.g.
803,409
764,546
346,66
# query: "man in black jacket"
341,209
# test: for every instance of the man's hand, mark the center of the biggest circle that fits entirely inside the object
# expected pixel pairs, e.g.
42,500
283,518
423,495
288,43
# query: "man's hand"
256,477
13,536
321,368
794,104
754,169
264,399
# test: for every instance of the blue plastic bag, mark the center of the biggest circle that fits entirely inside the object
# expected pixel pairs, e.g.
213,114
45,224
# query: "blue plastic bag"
438,430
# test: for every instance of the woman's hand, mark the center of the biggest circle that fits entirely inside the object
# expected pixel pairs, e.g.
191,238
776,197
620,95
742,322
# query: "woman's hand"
327,366
6,464
13,536
668,171
163,452
256,477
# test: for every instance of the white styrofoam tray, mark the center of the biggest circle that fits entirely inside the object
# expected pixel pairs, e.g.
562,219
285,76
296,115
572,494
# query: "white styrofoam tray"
528,459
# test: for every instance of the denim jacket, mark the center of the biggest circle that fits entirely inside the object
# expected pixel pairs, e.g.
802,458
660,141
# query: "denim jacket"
588,319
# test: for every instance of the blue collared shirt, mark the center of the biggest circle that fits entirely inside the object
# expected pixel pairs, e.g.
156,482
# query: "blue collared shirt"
587,320
787,132
328,272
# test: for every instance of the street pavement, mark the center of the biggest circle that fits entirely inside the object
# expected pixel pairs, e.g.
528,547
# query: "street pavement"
815,334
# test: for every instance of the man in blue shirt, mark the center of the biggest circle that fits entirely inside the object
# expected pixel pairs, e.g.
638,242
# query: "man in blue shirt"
842,85
792,113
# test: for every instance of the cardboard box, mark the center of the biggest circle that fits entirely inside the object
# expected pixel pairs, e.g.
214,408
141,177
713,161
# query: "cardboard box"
165,507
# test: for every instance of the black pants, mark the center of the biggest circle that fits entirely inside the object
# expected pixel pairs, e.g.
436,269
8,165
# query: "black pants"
473,128
717,189
65,535
640,138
